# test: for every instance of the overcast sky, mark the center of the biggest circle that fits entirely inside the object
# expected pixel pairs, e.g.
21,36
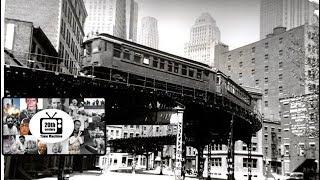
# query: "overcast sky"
238,20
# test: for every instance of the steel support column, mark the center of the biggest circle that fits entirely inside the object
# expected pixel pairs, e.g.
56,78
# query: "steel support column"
179,165
230,158
249,159
209,160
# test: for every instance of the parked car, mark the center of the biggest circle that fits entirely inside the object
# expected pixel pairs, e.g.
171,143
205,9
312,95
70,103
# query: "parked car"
296,175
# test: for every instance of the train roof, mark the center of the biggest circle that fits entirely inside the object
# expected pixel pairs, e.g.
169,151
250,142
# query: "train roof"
120,40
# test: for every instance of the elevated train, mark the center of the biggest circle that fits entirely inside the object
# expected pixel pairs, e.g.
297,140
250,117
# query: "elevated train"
111,58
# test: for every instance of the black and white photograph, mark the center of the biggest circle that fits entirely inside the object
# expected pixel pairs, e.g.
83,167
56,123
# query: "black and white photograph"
162,90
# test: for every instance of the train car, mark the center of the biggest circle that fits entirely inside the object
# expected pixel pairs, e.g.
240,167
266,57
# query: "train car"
114,59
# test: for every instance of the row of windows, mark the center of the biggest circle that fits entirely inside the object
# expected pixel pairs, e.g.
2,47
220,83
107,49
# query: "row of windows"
72,22
253,49
253,147
160,63
266,67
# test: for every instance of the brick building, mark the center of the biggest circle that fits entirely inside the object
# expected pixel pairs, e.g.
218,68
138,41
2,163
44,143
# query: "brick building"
271,147
62,21
276,64
300,148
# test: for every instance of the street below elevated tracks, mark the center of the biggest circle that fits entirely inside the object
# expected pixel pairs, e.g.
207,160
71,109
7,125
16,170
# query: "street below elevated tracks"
112,175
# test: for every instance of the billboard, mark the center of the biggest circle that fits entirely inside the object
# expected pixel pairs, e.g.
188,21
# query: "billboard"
53,126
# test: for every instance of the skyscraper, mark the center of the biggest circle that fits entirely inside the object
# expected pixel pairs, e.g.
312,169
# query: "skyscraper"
149,32
131,20
204,35
115,17
61,20
284,13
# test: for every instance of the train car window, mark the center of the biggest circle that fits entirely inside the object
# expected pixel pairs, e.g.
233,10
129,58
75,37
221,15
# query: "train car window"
218,80
88,48
126,54
146,60
155,62
191,72
169,66
184,70
161,64
137,58
176,67
105,45
199,74
116,50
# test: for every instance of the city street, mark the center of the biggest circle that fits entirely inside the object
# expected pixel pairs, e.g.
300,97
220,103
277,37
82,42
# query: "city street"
140,175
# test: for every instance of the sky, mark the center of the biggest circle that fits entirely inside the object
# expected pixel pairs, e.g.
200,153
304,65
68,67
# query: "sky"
238,20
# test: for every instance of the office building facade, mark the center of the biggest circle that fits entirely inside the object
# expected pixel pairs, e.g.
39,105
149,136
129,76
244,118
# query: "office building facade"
284,13
149,35
114,17
204,35
300,125
62,21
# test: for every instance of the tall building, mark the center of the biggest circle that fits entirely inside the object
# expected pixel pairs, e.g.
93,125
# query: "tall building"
284,13
149,35
300,132
131,20
101,16
278,65
115,17
61,20
204,35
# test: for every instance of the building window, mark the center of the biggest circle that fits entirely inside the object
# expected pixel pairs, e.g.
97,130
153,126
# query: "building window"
280,40
253,72
240,75
266,68
286,149
253,60
280,89
248,163
266,104
216,162
280,77
240,64
254,146
229,57
280,52
244,147
240,53
229,67
257,82
266,138
266,56
253,49
266,151
266,92
266,80
266,45
280,65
